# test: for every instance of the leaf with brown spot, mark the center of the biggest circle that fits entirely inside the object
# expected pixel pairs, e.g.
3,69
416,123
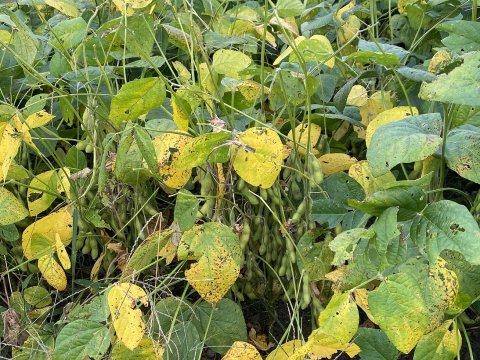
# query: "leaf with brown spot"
52,272
242,351
218,255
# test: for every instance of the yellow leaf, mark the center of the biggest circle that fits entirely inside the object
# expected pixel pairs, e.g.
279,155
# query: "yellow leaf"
344,9
182,71
147,349
445,281
5,37
284,351
52,272
361,298
10,142
289,50
169,251
218,255
66,7
377,103
62,252
180,116
358,96
242,351
167,147
360,171
127,320
336,162
127,7
40,194
301,137
63,181
388,116
269,37
439,61
60,222
37,119
349,29
259,157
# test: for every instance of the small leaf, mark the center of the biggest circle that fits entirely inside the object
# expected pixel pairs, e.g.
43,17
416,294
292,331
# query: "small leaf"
81,339
301,136
242,351
167,148
39,194
127,319
144,142
259,158
10,142
37,119
345,243
12,210
136,98
52,272
218,255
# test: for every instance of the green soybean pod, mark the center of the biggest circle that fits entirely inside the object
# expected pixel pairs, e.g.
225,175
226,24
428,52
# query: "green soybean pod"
245,235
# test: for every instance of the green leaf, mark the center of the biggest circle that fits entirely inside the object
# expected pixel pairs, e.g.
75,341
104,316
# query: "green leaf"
96,310
218,255
136,98
460,86
389,60
441,344
375,345
138,35
220,325
170,311
203,148
404,141
143,256
25,41
315,258
12,210
75,159
409,199
185,343
185,211
290,8
447,225
80,339
9,232
230,62
68,34
385,229
462,152
37,296
464,36
345,243
144,143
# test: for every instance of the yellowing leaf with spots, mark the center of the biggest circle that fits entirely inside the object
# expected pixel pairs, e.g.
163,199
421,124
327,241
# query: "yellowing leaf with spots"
360,171
336,162
10,142
284,351
361,298
180,116
337,324
218,255
349,29
52,272
37,119
147,349
344,9
242,351
258,157
66,7
441,344
59,222
167,147
301,135
395,114
127,319
439,61
62,253
357,96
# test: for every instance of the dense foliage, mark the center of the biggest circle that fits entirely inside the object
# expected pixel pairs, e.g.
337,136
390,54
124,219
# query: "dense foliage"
239,179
